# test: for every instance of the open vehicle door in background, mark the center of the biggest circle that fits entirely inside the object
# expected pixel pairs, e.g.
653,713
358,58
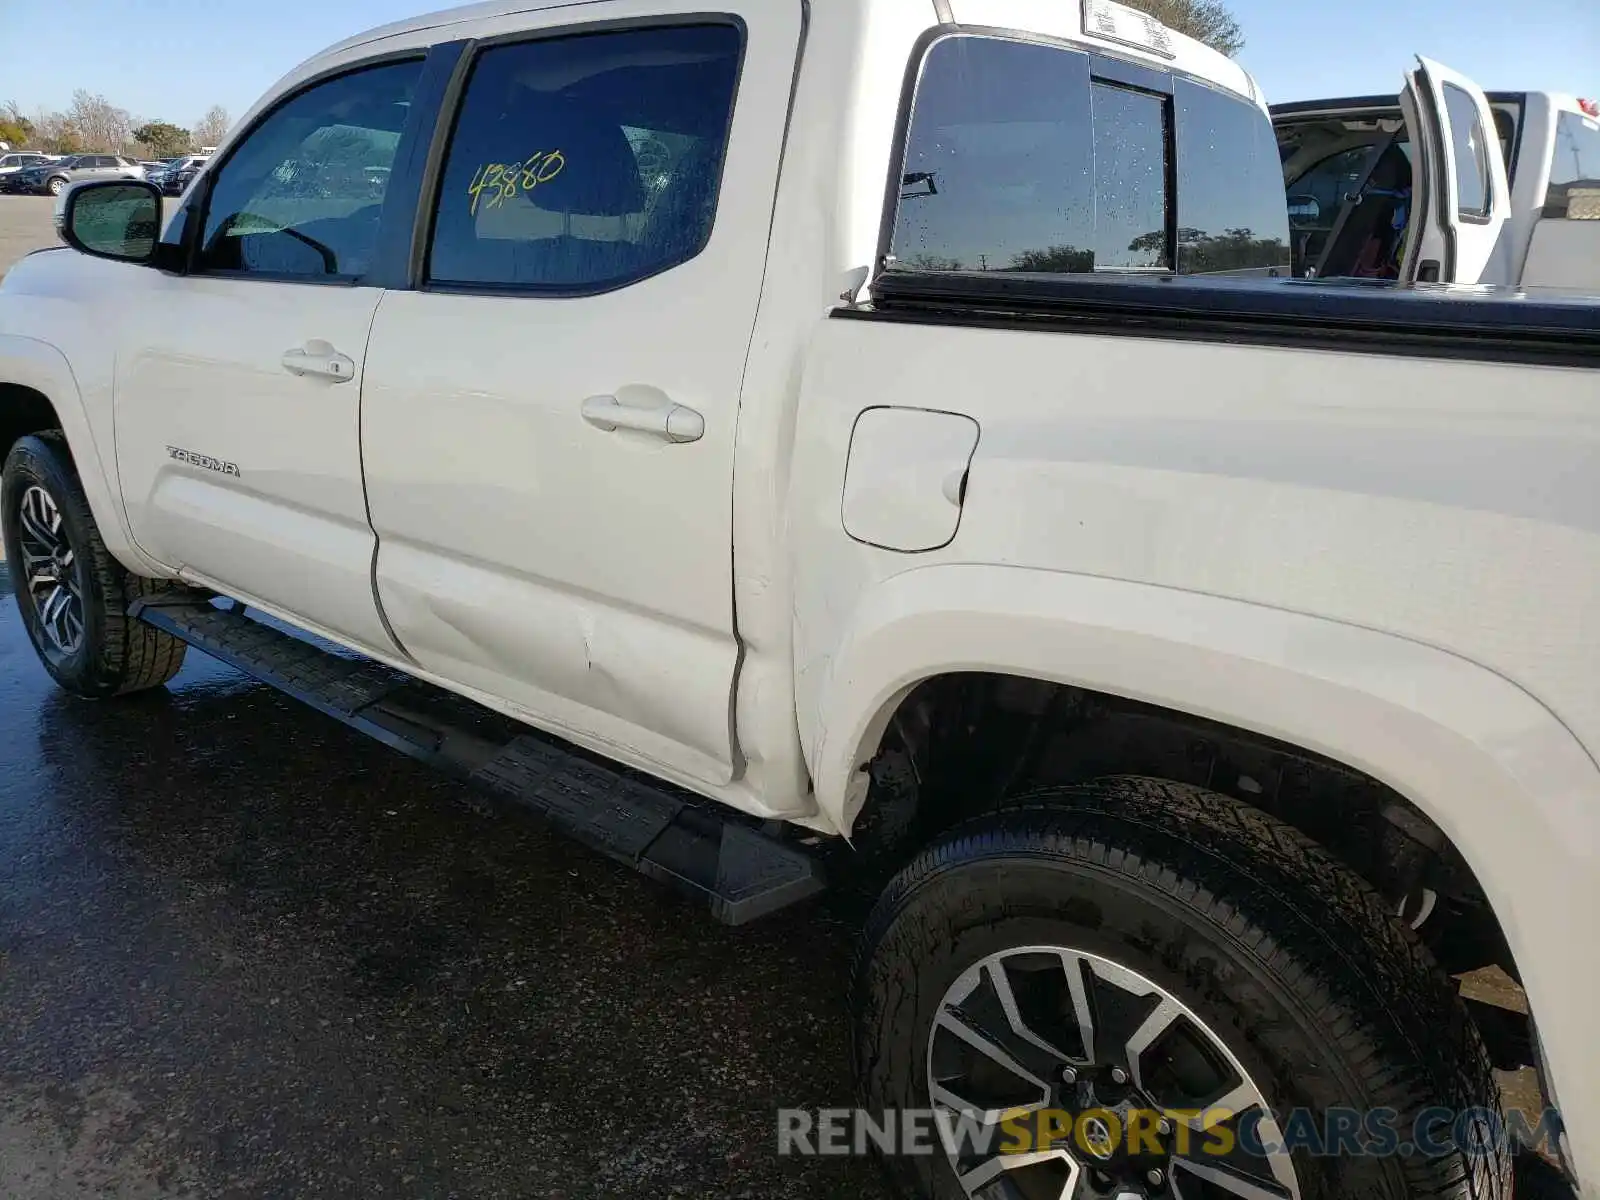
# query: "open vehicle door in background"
1462,197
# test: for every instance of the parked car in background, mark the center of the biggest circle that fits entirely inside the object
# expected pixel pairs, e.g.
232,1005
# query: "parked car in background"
179,172
52,177
30,180
17,161
1512,194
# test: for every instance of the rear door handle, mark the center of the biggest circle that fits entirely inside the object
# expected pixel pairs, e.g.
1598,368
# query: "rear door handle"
644,410
320,359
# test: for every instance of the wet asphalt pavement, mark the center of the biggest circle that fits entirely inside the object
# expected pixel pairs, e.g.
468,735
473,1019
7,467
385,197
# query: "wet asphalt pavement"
245,952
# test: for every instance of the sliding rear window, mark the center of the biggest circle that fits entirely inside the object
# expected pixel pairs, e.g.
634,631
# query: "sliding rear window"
1029,157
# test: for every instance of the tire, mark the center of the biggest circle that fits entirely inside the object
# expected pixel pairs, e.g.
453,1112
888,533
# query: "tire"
1269,961
56,185
113,654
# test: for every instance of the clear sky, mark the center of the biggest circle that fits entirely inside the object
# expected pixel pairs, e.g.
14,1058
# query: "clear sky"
173,59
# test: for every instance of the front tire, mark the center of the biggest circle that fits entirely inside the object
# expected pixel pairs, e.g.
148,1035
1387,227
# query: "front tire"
1139,946
73,596
55,186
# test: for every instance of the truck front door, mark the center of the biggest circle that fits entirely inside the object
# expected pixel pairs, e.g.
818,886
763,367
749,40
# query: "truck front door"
548,419
1463,197
238,386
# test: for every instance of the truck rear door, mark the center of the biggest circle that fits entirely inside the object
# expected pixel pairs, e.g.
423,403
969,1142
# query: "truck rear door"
548,421
1463,199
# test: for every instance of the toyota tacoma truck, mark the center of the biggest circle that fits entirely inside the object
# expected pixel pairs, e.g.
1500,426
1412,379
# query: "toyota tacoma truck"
1445,183
880,443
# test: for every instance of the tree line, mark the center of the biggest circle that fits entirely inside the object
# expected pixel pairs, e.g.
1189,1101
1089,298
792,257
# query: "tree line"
91,123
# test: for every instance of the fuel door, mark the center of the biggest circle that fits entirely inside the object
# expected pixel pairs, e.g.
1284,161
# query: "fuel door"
907,477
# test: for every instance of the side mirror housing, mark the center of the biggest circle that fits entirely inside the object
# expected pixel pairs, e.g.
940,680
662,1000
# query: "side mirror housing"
113,218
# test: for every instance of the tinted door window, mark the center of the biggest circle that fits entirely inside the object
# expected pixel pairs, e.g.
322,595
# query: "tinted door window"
1232,214
581,164
1471,151
1576,168
302,194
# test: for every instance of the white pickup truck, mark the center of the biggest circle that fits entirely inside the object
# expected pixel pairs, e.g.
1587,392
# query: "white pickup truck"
1446,184
858,439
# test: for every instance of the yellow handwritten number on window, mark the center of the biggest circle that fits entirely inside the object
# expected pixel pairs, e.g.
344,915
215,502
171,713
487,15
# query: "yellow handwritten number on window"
495,183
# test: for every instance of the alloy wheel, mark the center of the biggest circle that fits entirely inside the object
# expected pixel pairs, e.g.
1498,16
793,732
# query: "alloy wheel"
50,570
1105,1051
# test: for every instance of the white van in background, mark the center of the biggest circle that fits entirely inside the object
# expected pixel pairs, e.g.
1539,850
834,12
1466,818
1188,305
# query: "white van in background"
1527,216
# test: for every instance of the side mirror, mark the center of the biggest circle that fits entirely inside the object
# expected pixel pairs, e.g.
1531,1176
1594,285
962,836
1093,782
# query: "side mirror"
1303,209
113,218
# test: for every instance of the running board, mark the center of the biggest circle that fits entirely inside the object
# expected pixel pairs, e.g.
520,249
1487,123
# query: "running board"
660,831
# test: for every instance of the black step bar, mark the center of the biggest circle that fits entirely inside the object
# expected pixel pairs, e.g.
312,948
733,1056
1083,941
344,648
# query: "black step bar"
742,870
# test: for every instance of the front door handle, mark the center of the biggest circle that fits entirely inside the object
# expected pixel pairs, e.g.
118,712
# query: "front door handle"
319,358
644,410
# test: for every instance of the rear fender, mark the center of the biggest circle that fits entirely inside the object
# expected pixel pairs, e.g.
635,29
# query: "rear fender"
1493,767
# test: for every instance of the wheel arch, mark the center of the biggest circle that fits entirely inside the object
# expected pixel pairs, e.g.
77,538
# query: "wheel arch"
39,392
1510,787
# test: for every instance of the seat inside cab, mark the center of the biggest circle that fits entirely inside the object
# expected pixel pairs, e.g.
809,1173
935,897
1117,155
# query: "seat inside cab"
1349,185
1350,179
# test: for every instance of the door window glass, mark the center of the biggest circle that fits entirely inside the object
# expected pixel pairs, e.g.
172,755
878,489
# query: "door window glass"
1575,171
581,164
1471,153
302,194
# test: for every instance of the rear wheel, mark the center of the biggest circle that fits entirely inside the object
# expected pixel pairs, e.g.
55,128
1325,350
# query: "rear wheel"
73,596
1159,987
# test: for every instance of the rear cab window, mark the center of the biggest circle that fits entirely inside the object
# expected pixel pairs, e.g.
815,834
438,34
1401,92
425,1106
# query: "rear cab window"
1026,156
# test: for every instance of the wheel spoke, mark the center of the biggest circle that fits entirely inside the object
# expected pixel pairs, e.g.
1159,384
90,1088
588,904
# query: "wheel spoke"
35,523
71,623
1242,1097
53,603
983,1175
1078,987
1225,1179
1157,1023
942,1094
1001,983
32,555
